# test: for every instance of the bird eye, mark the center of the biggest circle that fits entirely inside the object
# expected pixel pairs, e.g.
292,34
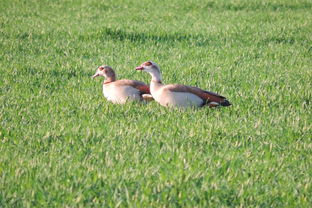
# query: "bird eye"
101,68
148,63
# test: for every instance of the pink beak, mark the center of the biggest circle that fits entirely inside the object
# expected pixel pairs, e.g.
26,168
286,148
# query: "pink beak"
95,75
139,68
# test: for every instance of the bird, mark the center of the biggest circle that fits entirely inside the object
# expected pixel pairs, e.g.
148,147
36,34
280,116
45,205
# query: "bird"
121,91
181,96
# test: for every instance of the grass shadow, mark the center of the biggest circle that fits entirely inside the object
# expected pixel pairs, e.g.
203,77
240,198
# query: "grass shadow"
257,6
141,38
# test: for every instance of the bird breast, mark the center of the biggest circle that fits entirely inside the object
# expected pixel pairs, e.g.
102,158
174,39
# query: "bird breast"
177,99
121,94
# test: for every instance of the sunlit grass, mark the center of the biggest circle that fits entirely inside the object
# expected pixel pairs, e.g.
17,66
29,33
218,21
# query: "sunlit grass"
62,144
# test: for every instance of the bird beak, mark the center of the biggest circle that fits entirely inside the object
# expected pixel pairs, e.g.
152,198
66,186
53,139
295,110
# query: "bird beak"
95,75
140,68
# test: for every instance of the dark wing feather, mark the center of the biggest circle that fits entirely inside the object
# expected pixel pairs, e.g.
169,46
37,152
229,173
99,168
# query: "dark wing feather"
141,86
203,94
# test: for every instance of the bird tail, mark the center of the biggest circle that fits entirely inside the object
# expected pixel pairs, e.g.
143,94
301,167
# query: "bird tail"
225,103
147,97
215,100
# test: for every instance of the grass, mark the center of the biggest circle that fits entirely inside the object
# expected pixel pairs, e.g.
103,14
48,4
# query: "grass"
63,145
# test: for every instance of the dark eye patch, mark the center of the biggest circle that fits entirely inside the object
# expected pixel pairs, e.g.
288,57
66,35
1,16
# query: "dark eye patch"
148,63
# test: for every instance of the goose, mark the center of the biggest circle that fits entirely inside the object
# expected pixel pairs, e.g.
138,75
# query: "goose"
121,91
174,95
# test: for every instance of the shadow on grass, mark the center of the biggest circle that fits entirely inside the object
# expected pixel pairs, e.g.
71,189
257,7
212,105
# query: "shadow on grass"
198,40
285,41
249,6
141,38
61,73
279,40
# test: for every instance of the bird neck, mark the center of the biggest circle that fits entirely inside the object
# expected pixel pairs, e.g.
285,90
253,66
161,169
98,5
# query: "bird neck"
156,76
109,79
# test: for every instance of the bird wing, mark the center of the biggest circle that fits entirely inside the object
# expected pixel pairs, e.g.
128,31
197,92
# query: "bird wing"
141,86
203,94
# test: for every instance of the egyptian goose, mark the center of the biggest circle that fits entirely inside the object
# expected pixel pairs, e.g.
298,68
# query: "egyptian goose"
121,91
179,95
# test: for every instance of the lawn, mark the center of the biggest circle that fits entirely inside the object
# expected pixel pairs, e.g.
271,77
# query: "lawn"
63,145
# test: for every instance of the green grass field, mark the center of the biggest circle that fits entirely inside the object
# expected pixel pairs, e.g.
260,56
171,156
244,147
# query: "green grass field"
63,145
